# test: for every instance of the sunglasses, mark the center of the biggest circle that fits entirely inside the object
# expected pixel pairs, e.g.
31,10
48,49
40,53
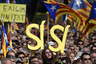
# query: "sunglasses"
72,49
80,44
94,50
21,57
93,39
10,56
87,59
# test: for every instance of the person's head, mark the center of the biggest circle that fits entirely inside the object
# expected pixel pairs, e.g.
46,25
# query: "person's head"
10,53
34,60
51,43
85,50
20,55
77,49
90,45
47,53
6,61
24,45
93,38
66,60
78,63
12,58
72,56
62,55
16,42
71,42
16,49
93,56
30,43
40,61
72,48
67,45
78,33
85,57
80,43
93,48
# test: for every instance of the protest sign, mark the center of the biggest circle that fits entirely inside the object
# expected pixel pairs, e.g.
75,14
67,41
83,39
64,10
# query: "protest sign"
13,11
40,41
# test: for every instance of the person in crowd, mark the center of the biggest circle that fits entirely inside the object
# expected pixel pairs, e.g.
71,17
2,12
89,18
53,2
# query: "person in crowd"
80,43
93,48
47,56
86,59
21,56
34,60
62,55
71,56
85,49
93,56
77,49
6,61
66,60
93,38
72,48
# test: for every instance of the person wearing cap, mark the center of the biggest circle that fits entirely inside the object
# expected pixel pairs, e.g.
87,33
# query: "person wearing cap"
51,43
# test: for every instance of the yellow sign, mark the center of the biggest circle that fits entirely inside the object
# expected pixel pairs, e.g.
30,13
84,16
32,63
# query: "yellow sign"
40,42
13,11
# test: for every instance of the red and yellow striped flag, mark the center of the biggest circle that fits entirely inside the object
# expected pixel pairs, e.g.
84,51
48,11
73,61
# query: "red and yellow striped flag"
16,26
84,13
52,1
4,41
90,26
26,20
9,35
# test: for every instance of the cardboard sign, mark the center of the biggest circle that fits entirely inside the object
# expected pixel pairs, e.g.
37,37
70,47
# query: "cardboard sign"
13,11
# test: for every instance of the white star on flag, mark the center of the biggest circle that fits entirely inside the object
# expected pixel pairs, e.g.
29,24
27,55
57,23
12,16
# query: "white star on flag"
53,8
78,2
95,8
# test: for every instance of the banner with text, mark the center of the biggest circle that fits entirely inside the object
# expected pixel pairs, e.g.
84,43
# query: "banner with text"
13,11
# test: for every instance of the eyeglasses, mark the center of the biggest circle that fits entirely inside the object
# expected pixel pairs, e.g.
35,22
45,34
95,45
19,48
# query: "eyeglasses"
94,50
10,56
93,39
80,44
87,59
72,49
21,57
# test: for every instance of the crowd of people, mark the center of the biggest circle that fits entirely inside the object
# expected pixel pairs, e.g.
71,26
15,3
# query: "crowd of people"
76,51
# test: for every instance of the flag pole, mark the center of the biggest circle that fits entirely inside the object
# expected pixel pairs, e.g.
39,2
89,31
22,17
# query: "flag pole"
48,25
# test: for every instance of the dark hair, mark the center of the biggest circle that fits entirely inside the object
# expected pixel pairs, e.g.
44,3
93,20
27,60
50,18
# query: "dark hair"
79,41
16,47
16,41
19,54
92,47
30,62
45,59
67,59
7,54
83,55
